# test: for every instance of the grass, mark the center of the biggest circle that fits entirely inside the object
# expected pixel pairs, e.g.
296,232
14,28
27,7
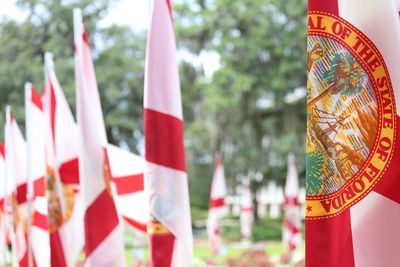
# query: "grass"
266,236
202,252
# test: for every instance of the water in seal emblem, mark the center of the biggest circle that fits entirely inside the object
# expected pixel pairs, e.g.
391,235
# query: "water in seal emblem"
350,116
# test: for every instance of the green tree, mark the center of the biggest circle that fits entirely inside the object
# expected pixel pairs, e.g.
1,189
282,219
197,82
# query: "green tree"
248,109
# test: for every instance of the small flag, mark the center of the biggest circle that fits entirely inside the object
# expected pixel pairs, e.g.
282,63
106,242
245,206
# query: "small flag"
353,175
292,221
246,212
169,231
103,235
36,149
217,207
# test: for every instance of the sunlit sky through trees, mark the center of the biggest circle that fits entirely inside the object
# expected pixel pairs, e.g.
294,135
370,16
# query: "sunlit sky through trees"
134,13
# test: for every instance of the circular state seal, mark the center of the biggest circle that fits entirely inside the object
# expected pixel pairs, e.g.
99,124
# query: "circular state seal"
350,116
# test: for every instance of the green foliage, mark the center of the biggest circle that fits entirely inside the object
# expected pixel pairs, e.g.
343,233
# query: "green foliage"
198,214
267,229
242,110
263,229
120,75
199,184
231,233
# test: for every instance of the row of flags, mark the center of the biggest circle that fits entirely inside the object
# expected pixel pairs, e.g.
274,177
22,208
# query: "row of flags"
291,228
43,182
352,202
66,190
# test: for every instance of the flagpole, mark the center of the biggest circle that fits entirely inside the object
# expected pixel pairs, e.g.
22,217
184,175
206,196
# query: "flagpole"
28,92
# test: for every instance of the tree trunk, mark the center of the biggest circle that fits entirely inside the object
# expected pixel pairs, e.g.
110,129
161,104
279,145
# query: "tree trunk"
255,210
254,186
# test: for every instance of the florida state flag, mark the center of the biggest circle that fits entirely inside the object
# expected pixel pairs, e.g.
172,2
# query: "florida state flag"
103,235
246,212
291,224
217,207
170,232
65,204
353,175
36,171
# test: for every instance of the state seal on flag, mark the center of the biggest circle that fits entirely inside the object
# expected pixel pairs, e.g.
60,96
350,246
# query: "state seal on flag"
350,116
58,212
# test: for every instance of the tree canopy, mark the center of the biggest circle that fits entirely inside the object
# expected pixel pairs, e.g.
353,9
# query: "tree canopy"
252,109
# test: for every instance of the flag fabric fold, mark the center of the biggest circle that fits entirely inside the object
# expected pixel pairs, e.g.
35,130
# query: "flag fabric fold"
36,172
353,203
169,230
126,171
103,233
217,207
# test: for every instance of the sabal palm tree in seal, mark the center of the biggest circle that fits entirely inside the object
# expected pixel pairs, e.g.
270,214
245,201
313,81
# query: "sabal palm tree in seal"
345,76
